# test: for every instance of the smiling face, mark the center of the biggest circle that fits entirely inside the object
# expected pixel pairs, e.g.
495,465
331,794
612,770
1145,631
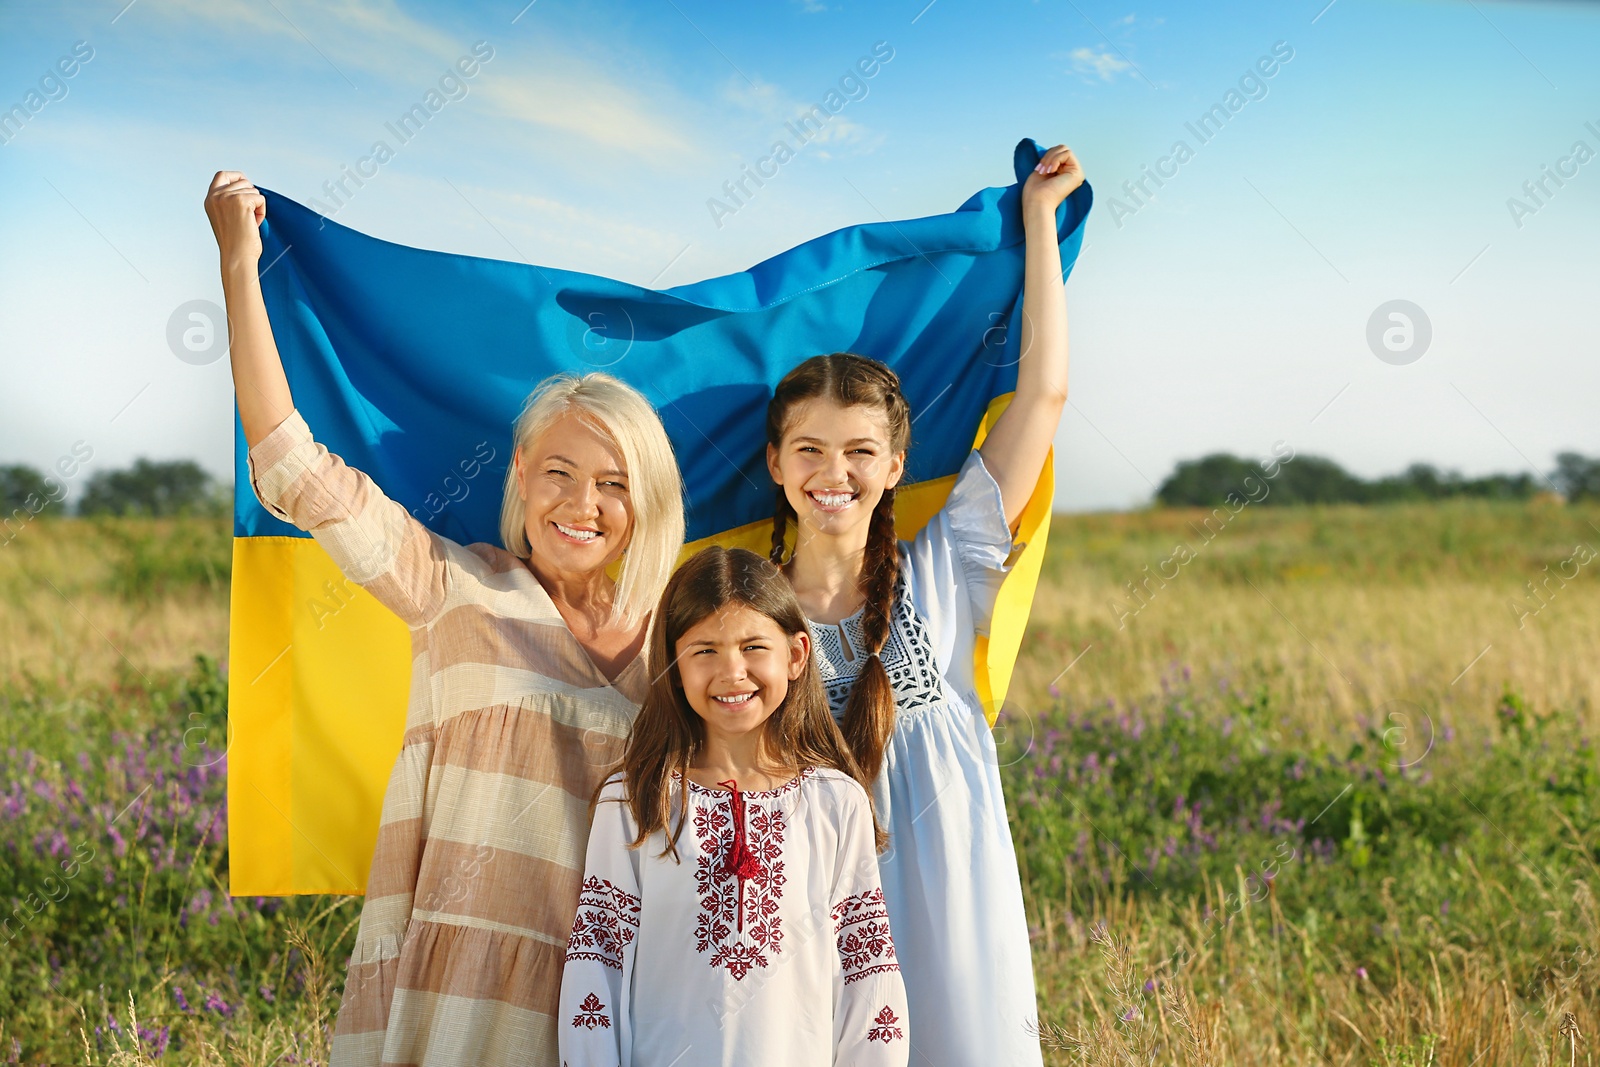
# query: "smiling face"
575,493
834,463
735,666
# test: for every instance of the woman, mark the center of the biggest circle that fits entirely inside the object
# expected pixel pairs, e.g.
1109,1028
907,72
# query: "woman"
526,675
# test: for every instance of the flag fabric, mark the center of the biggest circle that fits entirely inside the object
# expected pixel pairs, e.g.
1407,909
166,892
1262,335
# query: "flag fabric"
411,364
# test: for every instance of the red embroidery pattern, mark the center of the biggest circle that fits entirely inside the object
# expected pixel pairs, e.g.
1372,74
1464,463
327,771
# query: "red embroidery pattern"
607,919
738,922
591,1013
862,924
884,1029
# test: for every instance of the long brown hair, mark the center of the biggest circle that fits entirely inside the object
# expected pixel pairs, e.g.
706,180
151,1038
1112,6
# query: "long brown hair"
851,380
668,732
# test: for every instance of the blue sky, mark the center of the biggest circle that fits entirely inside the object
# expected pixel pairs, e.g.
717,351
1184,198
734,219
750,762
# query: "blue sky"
1227,312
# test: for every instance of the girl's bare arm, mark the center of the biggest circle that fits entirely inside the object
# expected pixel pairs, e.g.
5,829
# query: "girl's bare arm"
1015,449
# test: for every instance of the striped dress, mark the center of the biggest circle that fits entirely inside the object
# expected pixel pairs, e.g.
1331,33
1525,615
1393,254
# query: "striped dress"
510,729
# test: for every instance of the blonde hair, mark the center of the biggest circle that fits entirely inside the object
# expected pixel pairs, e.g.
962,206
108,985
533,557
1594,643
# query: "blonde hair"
655,488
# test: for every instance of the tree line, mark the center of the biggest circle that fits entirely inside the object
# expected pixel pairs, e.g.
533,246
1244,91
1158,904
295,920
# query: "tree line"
1208,481
149,487
181,487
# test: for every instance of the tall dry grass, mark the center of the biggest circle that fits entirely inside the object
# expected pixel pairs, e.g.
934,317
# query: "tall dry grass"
1345,611
1340,615
84,602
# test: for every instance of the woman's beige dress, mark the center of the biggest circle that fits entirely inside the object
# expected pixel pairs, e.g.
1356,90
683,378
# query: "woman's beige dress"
509,731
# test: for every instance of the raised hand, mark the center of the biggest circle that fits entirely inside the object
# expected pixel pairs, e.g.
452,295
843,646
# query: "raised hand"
236,209
1053,180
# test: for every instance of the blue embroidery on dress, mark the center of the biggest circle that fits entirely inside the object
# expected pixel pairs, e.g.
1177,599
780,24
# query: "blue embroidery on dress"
907,656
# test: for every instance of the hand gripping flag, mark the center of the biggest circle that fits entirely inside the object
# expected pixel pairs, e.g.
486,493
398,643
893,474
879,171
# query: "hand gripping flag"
411,365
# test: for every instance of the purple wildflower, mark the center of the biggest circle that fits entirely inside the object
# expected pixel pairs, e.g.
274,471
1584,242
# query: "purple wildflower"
155,1041
183,1002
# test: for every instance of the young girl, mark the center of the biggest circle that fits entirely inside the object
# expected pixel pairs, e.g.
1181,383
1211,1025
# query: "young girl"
731,910
895,625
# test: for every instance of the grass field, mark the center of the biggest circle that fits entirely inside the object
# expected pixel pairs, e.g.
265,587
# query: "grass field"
1301,785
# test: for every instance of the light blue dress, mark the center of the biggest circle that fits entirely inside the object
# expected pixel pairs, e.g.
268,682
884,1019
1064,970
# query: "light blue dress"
950,876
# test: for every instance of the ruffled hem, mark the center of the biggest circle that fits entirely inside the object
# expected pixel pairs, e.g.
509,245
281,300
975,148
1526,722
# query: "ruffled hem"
416,997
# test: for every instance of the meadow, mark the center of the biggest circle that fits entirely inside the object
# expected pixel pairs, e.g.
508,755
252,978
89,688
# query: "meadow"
1311,785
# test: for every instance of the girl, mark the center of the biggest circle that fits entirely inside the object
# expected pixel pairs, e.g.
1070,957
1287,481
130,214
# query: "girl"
769,945
894,626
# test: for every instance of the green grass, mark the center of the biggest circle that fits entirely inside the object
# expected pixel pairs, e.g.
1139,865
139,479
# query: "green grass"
1260,824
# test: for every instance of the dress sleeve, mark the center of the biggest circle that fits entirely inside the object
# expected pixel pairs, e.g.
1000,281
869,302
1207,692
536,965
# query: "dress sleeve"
963,549
373,539
869,994
595,1023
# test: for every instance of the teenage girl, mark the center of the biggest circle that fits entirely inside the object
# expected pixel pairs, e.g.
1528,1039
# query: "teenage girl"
731,910
895,624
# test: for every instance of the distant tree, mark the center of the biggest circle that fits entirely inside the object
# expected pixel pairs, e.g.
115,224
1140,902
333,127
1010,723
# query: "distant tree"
1501,486
1423,481
1315,480
1305,479
1207,481
1578,477
149,488
23,487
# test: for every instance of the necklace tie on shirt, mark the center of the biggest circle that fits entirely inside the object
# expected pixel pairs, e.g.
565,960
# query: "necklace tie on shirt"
740,861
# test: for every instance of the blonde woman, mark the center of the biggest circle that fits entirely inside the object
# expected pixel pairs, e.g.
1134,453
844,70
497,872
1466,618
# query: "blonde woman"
526,675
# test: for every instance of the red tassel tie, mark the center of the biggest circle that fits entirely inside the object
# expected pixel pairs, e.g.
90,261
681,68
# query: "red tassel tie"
740,861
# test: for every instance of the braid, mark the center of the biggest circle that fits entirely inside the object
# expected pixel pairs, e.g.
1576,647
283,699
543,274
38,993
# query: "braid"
880,566
851,380
869,713
782,512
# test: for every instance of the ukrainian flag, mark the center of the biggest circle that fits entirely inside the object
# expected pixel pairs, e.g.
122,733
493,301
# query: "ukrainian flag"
411,365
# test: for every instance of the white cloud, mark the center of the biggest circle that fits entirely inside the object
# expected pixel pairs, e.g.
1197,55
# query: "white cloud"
1103,63
590,107
366,40
374,37
774,107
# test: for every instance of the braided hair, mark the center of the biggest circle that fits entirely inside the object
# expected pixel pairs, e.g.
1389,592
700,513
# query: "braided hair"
851,381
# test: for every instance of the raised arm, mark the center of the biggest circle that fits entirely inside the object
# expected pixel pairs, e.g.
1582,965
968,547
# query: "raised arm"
374,541
236,209
1015,449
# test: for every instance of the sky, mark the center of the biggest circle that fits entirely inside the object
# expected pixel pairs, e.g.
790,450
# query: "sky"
1396,151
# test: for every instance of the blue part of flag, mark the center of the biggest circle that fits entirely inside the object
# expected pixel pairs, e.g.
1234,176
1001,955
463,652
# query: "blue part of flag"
412,364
